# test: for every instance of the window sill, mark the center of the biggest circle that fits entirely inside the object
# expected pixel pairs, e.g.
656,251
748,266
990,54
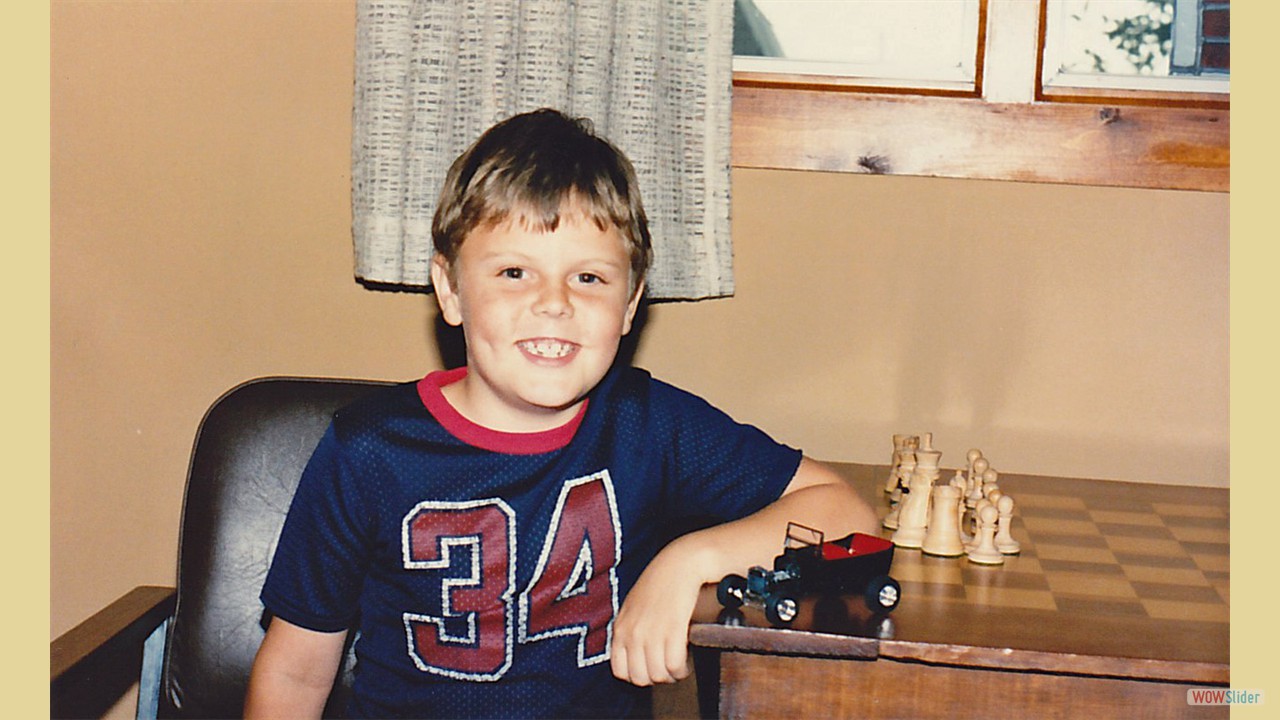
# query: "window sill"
1147,146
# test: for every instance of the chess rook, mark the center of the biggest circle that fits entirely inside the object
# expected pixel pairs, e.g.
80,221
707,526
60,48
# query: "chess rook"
943,534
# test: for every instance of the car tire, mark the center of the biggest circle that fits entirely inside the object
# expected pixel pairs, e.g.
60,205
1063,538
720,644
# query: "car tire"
780,609
882,594
730,590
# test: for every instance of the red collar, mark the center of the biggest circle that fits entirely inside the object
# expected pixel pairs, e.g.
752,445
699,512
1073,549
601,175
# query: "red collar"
534,443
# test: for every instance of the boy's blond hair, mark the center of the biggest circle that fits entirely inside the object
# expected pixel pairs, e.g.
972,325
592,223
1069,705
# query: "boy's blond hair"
537,166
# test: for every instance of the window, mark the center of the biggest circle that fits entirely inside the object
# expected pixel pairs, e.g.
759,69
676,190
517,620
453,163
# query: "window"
1025,107
885,43
1176,46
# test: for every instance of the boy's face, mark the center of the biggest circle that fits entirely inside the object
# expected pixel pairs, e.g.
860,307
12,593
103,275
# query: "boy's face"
542,314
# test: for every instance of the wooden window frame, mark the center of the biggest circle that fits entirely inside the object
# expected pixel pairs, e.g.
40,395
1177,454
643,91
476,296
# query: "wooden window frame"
1007,128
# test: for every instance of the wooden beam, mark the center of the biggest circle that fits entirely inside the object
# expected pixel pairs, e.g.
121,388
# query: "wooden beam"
1117,145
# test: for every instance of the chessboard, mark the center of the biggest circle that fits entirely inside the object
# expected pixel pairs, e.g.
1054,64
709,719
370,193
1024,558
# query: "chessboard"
1113,578
1094,547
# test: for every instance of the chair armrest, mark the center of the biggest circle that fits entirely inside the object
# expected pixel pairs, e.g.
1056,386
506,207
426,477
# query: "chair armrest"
92,664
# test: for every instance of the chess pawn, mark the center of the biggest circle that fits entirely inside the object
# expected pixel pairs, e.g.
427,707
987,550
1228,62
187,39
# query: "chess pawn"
974,522
1004,537
985,551
992,492
980,467
990,479
943,534
972,456
913,515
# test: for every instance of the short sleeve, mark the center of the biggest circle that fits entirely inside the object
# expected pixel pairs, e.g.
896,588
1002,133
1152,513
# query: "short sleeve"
321,559
717,466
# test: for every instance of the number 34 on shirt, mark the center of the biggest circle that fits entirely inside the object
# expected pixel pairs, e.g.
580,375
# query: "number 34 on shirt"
574,590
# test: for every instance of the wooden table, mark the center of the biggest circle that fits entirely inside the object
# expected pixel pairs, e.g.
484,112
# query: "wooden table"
1116,606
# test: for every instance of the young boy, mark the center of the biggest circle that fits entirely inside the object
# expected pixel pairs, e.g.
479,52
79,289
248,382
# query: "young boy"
495,533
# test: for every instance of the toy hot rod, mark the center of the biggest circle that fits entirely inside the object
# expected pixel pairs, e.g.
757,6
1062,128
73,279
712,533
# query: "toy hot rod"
809,565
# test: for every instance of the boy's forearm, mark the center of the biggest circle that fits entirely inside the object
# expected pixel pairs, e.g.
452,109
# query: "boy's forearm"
280,695
293,672
652,629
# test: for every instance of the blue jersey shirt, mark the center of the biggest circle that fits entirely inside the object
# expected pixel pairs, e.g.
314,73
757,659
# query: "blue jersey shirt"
483,570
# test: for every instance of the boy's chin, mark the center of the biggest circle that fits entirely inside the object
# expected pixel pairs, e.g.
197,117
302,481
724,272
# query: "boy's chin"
551,405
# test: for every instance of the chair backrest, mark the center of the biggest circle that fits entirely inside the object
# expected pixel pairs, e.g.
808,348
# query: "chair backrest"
249,453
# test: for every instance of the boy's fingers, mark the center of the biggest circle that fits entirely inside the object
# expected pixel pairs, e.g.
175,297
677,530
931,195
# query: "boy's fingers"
657,669
637,669
671,662
618,662
678,658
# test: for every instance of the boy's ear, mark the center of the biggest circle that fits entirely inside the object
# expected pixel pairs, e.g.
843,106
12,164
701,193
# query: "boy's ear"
446,293
632,306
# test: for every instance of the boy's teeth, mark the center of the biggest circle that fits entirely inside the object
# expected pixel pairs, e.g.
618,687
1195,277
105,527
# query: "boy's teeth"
548,349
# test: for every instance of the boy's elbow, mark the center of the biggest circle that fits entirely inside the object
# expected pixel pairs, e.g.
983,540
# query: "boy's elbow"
857,514
840,501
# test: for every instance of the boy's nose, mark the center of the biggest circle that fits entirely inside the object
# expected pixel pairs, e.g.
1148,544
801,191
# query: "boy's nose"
553,300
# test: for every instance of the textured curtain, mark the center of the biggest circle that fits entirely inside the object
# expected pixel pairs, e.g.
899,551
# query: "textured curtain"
654,77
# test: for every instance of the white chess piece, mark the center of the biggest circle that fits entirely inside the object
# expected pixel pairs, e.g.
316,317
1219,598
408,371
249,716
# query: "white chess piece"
974,515
975,481
913,514
993,493
1004,537
927,462
895,463
906,466
989,478
943,534
959,483
972,457
890,521
985,552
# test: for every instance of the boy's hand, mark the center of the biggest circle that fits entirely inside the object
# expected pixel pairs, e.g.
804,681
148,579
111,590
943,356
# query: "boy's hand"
651,633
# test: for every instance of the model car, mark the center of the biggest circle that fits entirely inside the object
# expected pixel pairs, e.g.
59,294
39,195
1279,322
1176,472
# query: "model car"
809,565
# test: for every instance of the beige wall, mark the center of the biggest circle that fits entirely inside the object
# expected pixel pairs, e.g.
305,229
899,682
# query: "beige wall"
200,237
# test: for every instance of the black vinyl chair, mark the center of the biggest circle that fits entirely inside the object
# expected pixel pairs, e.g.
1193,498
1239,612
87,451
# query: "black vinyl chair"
195,644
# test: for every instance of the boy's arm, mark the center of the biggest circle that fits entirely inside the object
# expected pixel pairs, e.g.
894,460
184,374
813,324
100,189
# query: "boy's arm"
651,633
293,672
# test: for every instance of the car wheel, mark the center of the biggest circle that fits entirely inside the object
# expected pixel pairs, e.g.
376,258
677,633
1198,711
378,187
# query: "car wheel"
730,590
883,594
781,609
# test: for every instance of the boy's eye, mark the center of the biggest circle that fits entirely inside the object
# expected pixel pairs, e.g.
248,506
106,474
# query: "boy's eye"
589,278
512,273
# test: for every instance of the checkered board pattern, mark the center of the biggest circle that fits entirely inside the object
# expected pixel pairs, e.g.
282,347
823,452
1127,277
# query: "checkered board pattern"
1145,553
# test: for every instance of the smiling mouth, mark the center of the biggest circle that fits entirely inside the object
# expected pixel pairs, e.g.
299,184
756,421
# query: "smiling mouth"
545,348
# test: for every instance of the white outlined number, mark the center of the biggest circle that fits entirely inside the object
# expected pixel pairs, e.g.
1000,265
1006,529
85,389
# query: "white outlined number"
574,589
